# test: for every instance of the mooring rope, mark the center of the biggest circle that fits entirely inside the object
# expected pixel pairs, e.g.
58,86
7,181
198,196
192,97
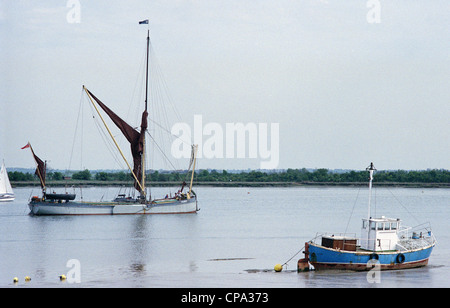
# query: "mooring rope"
293,256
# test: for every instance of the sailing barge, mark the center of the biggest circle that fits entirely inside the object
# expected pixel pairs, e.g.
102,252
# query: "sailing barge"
64,204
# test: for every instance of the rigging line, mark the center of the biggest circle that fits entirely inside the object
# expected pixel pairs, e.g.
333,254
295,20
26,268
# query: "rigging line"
160,92
164,86
76,129
133,96
159,112
107,142
293,256
160,95
404,207
169,132
351,214
162,152
162,112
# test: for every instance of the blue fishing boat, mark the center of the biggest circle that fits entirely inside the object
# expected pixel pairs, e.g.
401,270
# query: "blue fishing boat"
384,242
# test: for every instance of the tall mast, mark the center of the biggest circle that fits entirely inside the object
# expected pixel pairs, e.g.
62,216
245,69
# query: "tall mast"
371,169
146,99
146,74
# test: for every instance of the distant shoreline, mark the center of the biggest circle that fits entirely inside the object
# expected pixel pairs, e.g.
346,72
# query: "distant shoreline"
229,184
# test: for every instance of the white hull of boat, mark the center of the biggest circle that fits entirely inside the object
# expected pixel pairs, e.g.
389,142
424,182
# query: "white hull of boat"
5,198
113,208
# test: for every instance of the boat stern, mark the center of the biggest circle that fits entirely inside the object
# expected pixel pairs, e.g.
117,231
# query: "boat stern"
303,264
34,207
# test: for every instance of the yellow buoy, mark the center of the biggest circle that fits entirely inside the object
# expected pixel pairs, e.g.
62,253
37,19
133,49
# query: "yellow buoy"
27,278
15,280
62,277
278,268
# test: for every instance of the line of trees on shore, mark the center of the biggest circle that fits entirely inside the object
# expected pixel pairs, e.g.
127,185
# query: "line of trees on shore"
287,176
325,175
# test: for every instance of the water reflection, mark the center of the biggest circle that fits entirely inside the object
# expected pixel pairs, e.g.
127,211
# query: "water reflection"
193,266
137,269
138,244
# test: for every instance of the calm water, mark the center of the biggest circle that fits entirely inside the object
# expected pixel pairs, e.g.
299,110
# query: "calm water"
234,241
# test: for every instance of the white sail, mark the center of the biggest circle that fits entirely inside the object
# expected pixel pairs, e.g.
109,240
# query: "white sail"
6,191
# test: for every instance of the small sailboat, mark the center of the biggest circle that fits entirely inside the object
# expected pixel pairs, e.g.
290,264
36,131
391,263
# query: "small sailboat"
6,191
64,204
384,242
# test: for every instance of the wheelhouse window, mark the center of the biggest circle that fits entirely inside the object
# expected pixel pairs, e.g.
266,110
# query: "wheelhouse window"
393,226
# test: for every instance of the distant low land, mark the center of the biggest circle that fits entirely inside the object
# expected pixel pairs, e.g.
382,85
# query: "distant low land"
253,178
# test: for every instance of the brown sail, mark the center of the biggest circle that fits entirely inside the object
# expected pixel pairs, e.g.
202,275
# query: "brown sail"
135,138
40,165
40,169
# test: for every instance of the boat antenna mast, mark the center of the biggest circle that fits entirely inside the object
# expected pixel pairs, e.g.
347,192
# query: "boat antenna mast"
371,169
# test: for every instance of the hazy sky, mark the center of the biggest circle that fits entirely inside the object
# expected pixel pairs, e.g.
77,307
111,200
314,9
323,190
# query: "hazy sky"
344,91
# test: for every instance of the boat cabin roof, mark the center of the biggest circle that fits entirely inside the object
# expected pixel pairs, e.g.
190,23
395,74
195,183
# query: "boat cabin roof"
338,237
383,219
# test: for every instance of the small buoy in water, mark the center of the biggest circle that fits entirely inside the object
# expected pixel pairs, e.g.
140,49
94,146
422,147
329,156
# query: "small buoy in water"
27,278
62,277
278,268
15,280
